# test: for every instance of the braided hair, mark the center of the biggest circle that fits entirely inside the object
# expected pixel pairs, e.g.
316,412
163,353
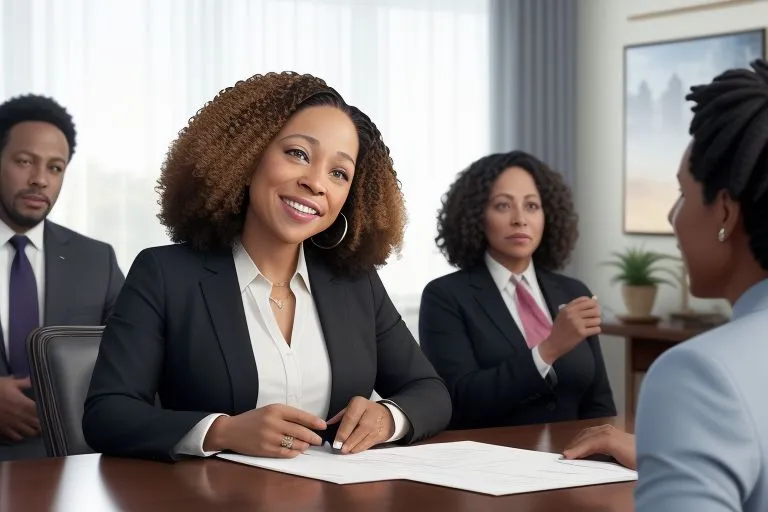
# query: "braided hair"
730,146
461,219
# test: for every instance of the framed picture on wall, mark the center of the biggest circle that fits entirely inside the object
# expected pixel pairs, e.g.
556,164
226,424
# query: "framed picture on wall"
657,77
659,8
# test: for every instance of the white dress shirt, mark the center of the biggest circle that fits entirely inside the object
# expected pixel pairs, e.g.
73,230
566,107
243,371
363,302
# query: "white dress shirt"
34,252
506,282
299,374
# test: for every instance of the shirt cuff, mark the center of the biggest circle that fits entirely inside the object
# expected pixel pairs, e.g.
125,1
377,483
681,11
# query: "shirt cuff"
192,443
402,425
543,367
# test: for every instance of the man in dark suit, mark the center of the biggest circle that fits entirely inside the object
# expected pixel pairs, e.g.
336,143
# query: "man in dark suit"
49,275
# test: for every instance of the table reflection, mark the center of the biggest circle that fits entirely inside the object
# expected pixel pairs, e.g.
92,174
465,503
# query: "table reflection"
226,483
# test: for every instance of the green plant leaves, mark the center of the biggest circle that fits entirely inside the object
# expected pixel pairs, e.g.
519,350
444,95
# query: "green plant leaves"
640,267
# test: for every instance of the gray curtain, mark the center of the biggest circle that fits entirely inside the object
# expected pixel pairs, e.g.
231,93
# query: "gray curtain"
533,82
533,77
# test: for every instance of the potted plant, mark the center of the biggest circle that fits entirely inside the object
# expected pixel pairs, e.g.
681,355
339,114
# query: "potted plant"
639,274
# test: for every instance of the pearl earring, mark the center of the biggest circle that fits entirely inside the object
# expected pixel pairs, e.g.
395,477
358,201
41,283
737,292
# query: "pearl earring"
721,235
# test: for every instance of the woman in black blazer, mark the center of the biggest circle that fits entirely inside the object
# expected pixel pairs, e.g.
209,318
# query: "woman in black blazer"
265,328
515,342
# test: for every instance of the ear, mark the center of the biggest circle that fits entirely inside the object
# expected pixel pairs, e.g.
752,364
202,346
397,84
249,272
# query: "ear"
729,212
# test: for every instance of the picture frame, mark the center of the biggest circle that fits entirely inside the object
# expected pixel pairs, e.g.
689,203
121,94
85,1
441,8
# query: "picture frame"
651,9
657,76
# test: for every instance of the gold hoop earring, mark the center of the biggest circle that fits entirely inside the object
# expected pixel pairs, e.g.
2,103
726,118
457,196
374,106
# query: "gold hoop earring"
333,246
721,235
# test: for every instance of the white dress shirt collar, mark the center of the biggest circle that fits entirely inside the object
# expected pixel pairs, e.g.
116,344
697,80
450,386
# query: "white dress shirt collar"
35,235
501,275
247,270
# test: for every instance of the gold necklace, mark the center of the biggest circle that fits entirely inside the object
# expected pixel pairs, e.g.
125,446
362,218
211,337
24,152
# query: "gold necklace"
279,284
280,303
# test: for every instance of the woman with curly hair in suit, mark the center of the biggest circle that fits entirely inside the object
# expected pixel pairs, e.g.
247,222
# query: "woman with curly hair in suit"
265,328
515,341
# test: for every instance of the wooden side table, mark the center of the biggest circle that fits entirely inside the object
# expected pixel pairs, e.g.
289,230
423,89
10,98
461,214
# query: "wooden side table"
644,343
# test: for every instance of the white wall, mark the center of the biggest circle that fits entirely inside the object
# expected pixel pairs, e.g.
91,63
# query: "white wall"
603,32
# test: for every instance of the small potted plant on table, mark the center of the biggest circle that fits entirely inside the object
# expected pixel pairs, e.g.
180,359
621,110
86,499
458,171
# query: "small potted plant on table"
638,271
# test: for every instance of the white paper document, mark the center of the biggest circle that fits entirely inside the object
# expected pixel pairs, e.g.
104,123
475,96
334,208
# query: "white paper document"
466,465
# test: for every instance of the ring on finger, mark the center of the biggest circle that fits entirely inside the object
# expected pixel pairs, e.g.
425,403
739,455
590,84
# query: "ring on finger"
287,441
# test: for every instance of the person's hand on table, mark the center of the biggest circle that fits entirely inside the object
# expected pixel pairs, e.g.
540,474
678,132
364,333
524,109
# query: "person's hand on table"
275,430
606,440
364,423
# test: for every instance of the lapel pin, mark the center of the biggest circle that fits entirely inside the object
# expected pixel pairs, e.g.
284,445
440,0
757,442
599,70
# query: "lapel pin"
61,258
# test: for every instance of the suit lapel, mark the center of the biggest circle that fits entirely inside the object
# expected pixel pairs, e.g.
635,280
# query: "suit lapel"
554,295
225,306
60,284
4,368
331,301
490,299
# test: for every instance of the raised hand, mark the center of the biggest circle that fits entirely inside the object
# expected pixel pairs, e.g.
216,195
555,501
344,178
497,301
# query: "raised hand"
578,320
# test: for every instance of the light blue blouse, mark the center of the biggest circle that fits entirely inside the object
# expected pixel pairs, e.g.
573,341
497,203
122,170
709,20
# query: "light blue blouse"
702,419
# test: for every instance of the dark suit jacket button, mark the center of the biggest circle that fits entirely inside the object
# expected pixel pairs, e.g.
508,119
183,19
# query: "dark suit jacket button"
551,406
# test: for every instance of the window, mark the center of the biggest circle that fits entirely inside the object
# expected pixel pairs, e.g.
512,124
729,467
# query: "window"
132,72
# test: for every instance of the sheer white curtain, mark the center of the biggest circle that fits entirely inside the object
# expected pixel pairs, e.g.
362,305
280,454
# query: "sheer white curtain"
132,72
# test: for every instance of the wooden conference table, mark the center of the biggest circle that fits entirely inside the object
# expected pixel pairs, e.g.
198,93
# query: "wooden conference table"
96,483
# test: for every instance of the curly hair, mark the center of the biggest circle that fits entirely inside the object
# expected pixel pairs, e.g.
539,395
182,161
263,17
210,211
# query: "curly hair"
461,220
730,146
204,180
32,107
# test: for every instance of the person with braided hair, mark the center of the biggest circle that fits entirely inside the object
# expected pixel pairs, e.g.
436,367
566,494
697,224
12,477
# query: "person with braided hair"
265,328
515,341
702,418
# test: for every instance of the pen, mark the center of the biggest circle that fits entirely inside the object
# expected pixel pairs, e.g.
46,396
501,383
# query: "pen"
561,306
329,436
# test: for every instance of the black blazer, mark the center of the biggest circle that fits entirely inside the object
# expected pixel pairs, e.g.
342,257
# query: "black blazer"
467,332
179,330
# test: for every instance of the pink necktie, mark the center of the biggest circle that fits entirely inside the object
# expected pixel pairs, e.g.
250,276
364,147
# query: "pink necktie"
535,323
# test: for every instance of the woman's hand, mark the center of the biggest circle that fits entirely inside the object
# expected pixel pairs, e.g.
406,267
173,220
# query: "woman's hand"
575,322
606,440
275,430
364,423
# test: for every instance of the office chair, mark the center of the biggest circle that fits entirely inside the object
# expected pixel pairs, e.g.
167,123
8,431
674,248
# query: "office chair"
61,361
